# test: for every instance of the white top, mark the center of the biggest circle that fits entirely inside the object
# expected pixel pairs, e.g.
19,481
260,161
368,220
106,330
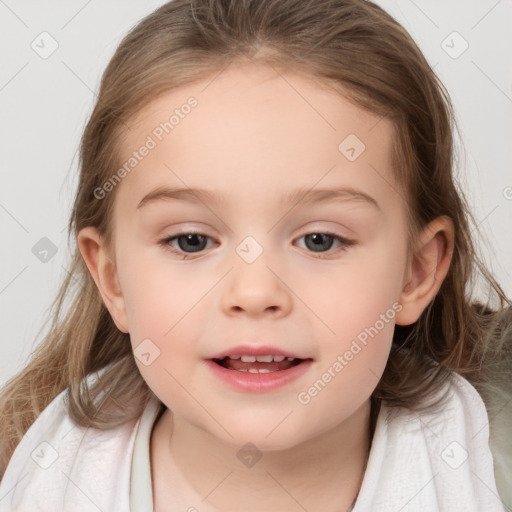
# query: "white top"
141,493
429,463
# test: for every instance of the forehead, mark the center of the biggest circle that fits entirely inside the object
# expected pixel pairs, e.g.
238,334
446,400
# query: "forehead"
254,130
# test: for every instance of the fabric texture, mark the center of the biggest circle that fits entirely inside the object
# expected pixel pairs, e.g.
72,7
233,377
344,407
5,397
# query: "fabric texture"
141,495
430,462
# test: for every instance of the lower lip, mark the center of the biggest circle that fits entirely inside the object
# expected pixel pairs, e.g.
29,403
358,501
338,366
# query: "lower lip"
259,382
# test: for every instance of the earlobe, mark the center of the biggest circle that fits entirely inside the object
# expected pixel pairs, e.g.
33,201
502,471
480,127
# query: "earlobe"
102,269
427,270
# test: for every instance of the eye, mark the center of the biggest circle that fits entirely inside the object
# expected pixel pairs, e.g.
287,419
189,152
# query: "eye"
319,242
191,242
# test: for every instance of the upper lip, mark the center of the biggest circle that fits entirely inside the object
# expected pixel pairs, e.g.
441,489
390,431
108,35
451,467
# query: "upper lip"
251,350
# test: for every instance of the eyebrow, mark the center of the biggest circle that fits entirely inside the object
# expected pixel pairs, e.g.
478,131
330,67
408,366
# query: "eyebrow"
305,196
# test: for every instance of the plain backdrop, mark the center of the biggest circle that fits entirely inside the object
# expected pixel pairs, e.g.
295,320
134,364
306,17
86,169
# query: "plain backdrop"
45,101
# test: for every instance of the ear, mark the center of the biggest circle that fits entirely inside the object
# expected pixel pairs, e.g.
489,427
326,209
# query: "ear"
97,258
428,266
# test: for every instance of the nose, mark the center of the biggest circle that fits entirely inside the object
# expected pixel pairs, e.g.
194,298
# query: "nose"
255,289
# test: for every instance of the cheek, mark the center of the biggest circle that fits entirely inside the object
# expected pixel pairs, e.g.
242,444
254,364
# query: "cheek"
162,306
357,303
350,295
156,293
164,323
342,303
354,350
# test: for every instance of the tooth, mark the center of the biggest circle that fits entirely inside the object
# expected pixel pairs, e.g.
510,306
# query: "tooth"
253,370
264,370
290,358
248,359
264,359
234,357
278,359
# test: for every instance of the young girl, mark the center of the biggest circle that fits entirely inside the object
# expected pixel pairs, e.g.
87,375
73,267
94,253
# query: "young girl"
271,304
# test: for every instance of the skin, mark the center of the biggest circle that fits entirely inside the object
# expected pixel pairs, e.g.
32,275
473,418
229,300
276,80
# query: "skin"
254,138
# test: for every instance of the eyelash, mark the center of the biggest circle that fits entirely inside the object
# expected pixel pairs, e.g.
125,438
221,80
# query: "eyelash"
165,243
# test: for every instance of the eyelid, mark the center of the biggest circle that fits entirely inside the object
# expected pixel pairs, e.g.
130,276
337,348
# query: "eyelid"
331,253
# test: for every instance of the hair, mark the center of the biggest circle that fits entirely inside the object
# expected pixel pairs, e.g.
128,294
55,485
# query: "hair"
495,387
359,50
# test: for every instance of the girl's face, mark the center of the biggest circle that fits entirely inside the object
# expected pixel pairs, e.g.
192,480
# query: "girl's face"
255,141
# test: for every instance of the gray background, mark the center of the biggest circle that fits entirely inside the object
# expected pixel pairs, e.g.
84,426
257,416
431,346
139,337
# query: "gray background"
44,104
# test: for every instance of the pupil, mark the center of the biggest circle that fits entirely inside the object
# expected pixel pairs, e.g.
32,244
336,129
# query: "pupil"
194,241
319,242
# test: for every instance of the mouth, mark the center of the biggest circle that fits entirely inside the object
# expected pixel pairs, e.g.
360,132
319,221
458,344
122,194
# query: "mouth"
259,364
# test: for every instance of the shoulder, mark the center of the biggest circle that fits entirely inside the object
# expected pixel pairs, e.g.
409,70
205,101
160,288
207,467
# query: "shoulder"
460,411
434,460
58,462
457,432
457,429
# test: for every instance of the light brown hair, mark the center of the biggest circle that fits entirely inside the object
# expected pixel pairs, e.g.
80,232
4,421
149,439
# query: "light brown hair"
352,45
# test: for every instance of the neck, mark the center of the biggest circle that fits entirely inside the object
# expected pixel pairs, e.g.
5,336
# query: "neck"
323,473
